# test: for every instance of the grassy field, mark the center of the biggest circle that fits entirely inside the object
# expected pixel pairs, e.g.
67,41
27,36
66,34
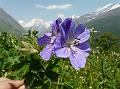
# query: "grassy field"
19,59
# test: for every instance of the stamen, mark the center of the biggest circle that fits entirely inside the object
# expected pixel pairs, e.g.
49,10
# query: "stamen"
76,41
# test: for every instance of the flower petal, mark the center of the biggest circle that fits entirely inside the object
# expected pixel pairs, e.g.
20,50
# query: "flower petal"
77,59
84,45
84,36
44,40
46,52
86,52
78,30
63,52
65,26
80,51
55,26
59,41
71,31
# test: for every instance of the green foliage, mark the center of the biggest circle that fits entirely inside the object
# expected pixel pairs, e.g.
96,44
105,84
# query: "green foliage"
19,59
108,41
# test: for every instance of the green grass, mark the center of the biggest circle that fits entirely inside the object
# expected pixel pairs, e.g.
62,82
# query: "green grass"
21,60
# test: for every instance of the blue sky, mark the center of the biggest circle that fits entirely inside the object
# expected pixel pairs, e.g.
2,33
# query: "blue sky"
50,9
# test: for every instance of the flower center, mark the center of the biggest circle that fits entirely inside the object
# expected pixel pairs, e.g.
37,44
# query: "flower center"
74,43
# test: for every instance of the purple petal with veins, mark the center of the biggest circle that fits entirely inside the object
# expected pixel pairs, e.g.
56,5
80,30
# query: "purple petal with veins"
84,36
55,26
63,52
78,30
44,40
85,45
77,58
47,52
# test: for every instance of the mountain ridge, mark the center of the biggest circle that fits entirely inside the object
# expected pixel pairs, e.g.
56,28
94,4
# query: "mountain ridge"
9,24
104,20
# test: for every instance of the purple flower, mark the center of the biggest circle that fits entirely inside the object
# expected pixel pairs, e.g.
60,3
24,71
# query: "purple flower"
48,40
66,40
73,42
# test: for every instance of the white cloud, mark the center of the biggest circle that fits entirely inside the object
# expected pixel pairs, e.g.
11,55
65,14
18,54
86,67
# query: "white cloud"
54,6
75,16
35,22
60,15
39,6
22,22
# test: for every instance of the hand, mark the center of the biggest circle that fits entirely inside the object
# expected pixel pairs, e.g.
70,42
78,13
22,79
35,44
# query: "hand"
11,84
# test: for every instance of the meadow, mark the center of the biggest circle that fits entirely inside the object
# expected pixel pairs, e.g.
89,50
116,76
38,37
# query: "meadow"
20,59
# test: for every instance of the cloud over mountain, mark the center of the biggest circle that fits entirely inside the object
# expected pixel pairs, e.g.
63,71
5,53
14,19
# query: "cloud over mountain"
34,23
54,6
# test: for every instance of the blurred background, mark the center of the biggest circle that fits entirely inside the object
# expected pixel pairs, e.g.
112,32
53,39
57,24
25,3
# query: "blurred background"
23,21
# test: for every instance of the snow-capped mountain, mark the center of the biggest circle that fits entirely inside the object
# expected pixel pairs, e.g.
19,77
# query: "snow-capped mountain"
9,24
105,19
108,14
36,24
99,12
107,8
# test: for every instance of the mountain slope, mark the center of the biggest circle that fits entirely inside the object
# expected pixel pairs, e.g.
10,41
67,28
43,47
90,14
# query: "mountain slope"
108,22
106,19
8,24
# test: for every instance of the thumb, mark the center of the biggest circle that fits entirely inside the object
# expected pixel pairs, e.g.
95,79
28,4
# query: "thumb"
16,83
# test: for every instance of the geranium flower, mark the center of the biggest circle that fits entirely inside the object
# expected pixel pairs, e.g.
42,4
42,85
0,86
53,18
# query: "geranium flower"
73,43
48,40
67,40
